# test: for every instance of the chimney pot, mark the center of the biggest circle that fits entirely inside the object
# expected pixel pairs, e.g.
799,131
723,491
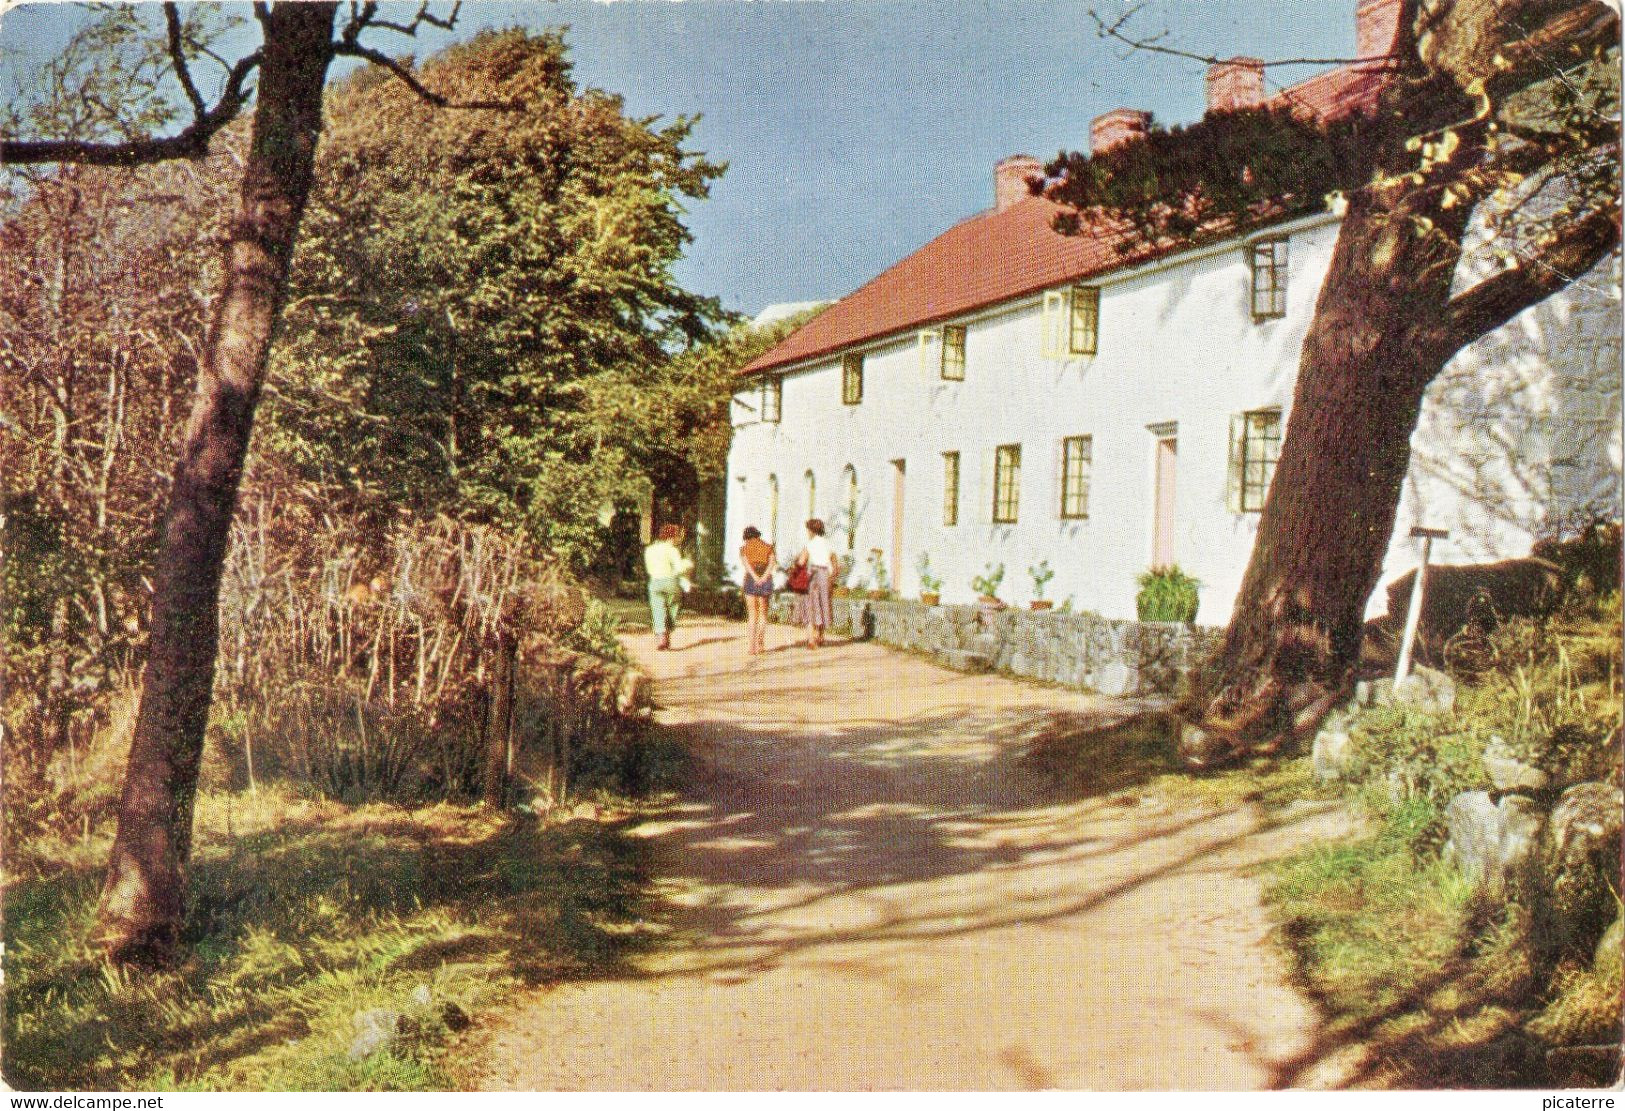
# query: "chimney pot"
1117,127
1010,180
1238,83
1376,24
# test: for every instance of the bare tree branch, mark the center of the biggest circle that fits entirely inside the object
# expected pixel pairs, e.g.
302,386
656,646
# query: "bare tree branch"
1115,30
407,77
193,142
177,56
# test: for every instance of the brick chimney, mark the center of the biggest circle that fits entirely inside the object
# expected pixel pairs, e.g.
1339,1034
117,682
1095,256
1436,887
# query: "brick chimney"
1117,127
1376,23
1010,180
1238,83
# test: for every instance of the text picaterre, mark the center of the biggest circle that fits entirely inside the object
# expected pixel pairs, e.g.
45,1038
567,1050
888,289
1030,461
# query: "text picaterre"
1564,1103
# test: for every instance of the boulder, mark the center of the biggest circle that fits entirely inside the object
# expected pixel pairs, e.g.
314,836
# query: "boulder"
1332,752
963,659
1583,862
1515,870
1114,678
1473,823
1497,845
1508,772
1432,692
376,1030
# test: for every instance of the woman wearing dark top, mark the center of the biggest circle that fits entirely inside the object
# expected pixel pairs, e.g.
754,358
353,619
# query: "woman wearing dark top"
757,559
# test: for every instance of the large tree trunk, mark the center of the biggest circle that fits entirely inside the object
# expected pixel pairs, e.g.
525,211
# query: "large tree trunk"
142,901
1293,640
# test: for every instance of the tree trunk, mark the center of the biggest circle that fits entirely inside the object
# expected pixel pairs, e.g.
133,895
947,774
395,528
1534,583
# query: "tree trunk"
499,725
142,900
1294,637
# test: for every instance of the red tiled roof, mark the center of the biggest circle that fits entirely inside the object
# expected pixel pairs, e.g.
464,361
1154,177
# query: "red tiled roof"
1004,254
1335,93
988,258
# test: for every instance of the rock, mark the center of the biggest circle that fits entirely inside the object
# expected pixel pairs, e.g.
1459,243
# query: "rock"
1332,752
1474,833
1516,867
1432,692
1114,678
1583,861
1200,749
1507,772
376,1030
421,996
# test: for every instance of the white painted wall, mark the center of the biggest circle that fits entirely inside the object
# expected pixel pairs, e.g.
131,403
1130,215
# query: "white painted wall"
1177,345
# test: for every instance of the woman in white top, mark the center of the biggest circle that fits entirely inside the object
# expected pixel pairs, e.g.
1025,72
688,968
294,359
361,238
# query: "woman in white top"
668,580
813,609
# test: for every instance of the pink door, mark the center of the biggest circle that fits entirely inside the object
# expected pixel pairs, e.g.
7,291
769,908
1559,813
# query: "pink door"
1162,525
896,570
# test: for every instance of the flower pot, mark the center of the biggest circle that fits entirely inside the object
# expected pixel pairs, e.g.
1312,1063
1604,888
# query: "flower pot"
1040,604
989,602
840,592
930,599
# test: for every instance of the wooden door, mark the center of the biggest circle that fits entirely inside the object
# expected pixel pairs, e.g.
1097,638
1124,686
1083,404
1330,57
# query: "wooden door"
896,570
1162,523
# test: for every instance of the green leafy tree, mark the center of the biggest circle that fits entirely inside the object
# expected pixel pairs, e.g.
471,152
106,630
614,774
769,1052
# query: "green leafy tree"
483,311
1497,116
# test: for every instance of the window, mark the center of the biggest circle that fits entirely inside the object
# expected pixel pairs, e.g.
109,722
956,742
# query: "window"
1071,322
1006,484
953,353
950,487
851,379
772,399
1255,444
1269,278
1076,453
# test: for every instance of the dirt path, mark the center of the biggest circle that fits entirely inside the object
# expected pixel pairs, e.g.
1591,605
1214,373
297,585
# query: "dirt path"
869,889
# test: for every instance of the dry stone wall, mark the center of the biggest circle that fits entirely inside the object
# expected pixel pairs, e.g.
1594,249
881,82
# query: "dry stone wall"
1081,650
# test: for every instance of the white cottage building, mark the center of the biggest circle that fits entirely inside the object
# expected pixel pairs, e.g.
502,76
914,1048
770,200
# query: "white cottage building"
1008,395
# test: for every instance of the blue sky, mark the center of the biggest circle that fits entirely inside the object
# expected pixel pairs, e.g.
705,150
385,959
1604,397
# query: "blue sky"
855,130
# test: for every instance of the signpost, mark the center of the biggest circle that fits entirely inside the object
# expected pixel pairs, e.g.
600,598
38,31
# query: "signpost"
1413,616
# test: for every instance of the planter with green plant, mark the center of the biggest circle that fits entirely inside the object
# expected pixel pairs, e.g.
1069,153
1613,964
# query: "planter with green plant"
986,585
1167,594
1041,575
881,590
930,584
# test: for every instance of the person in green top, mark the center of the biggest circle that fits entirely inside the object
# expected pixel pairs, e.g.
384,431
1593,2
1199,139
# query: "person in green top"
668,580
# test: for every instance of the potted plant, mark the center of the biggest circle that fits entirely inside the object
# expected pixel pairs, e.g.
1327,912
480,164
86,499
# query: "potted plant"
881,590
930,585
986,585
1041,574
1167,594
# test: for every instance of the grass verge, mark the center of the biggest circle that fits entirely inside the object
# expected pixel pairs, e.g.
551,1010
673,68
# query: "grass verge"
305,915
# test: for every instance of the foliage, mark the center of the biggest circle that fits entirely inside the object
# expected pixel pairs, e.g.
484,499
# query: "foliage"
1167,594
303,914
987,583
1442,987
598,634
1041,575
929,583
482,311
1226,173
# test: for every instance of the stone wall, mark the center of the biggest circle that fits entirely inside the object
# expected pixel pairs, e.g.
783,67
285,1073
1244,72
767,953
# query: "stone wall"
1081,650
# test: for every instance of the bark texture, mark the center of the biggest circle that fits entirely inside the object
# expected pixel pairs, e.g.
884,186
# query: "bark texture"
142,903
1385,325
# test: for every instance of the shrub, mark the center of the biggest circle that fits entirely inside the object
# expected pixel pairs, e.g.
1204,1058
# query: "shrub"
1167,594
